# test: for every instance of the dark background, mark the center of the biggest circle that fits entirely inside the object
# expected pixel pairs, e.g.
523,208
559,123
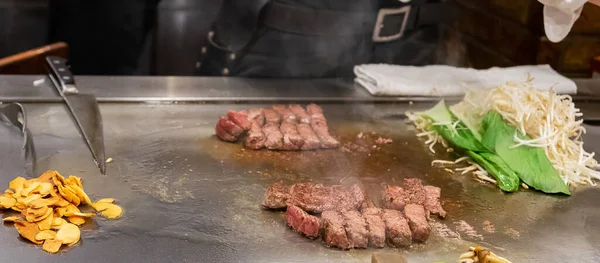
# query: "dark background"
156,38
165,38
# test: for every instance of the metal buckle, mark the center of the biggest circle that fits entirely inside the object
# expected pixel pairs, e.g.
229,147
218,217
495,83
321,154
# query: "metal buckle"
381,18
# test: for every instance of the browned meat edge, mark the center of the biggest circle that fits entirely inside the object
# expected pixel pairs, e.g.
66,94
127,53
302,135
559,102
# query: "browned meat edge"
302,222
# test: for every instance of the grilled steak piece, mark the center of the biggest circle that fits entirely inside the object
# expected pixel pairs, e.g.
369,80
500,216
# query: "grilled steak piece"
311,141
334,233
394,197
257,115
356,229
286,114
291,138
239,118
316,198
357,197
417,220
396,228
312,198
375,226
319,125
432,203
256,138
271,116
301,114
302,222
276,196
274,139
313,109
224,135
414,190
230,127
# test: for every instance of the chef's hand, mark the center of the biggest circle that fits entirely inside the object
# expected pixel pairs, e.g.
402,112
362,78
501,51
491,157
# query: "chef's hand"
596,2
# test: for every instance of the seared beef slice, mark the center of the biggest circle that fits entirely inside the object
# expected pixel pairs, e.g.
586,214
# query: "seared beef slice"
394,197
417,220
271,116
274,138
356,229
334,233
415,192
432,204
375,225
311,141
256,138
316,198
227,130
257,116
319,125
396,228
276,196
239,118
300,113
291,138
311,198
302,222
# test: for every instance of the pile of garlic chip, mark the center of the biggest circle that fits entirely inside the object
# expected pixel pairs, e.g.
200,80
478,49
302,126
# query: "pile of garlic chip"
49,209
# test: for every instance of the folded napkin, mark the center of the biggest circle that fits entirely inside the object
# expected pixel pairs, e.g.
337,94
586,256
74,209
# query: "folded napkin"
439,80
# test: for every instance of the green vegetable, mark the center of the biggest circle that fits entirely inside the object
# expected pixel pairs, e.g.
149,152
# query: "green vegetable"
530,163
506,178
459,135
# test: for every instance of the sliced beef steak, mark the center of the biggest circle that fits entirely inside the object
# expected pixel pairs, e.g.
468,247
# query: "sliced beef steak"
356,229
415,192
300,113
417,220
302,222
375,226
274,138
319,125
316,198
432,204
224,135
396,228
276,196
334,233
311,141
239,118
286,114
291,138
272,116
256,138
230,127
257,115
394,197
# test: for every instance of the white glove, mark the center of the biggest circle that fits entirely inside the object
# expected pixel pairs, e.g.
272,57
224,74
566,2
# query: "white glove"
559,17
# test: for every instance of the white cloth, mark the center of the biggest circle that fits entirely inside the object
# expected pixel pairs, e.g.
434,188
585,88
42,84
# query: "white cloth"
438,80
559,17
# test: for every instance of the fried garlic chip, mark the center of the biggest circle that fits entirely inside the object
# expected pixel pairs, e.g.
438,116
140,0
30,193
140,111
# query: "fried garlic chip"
57,223
46,223
11,219
106,200
52,245
68,234
108,210
7,201
45,234
17,183
76,220
28,231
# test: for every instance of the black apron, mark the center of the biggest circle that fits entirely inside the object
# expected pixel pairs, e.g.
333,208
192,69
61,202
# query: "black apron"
311,38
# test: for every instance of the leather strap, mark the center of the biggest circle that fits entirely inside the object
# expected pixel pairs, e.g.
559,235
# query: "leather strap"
314,22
